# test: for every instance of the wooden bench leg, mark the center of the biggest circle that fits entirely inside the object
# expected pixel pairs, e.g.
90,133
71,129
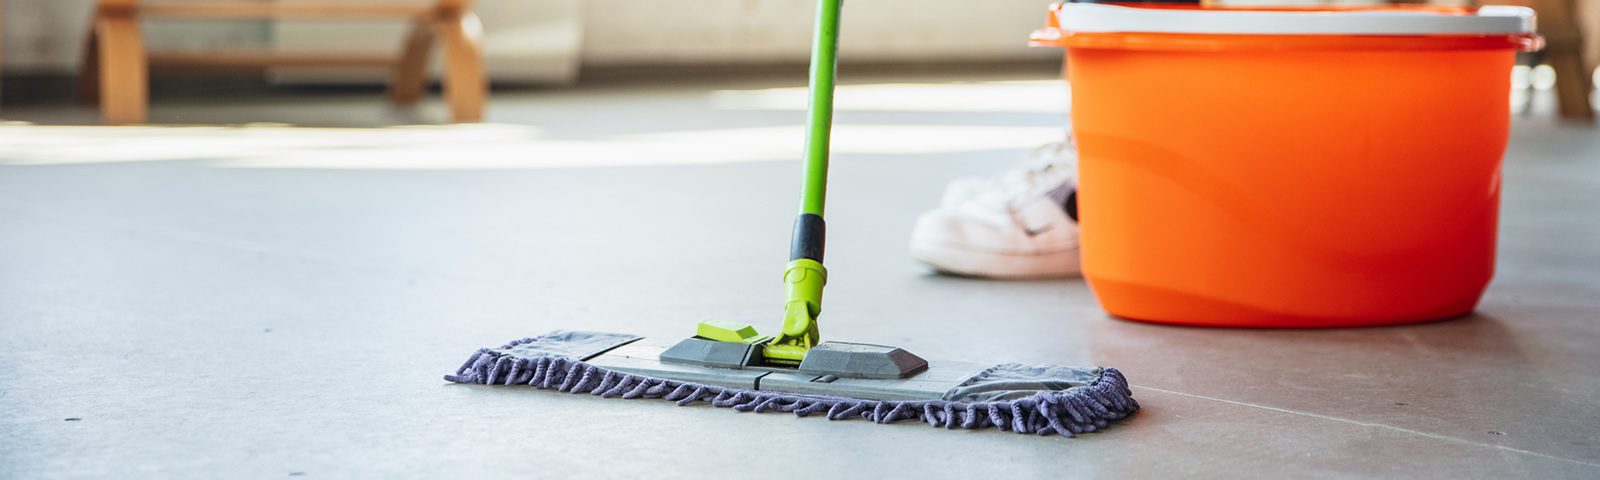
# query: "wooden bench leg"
124,78
465,85
89,69
2,34
410,78
1573,84
1564,53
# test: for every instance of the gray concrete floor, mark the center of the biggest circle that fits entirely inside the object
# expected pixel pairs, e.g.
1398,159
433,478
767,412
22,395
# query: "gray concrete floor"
202,313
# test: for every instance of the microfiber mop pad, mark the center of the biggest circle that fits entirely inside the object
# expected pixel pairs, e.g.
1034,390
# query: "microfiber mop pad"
1041,400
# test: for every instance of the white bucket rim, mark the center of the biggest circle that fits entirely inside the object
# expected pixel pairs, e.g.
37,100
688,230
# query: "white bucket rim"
1101,18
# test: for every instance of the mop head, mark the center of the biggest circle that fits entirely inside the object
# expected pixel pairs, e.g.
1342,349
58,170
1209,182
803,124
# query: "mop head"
1038,400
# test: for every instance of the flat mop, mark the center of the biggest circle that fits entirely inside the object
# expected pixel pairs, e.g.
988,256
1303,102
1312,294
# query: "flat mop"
730,365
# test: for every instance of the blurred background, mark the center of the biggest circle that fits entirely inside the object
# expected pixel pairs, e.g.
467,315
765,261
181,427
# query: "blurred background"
537,47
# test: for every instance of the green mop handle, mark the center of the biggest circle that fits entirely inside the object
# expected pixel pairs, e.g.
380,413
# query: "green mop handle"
808,228
819,128
804,274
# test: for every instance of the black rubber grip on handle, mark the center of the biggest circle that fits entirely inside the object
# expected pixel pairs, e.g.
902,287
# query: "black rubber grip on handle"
808,238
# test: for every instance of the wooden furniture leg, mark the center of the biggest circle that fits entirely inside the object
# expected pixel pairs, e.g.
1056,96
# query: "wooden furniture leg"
124,78
1564,53
2,36
89,69
465,85
410,78
1573,84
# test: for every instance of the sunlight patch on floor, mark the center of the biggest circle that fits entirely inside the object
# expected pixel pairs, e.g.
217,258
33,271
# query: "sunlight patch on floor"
480,146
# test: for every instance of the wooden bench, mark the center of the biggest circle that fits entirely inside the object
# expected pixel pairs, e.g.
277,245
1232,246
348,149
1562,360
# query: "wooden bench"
116,65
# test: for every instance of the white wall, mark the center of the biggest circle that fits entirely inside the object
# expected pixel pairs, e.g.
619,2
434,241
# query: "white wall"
623,32
543,40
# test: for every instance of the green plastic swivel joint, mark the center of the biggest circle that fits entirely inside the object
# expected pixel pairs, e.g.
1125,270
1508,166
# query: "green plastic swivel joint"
804,279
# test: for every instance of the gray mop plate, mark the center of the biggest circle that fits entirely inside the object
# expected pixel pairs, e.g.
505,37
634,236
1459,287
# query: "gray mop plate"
841,359
643,357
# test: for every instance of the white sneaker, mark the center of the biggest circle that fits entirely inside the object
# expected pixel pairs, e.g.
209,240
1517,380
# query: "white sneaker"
1013,227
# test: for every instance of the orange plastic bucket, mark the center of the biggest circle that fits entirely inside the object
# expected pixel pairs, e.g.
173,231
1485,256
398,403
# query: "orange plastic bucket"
1296,168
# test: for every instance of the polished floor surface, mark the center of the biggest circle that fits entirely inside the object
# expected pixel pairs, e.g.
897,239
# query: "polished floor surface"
271,302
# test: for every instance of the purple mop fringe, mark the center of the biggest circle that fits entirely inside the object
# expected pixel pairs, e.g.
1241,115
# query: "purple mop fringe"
1062,412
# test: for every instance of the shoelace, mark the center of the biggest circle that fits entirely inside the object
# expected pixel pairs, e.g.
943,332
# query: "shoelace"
1021,185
